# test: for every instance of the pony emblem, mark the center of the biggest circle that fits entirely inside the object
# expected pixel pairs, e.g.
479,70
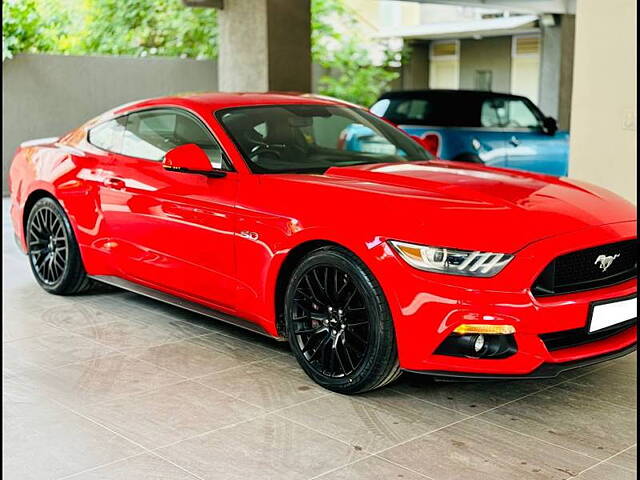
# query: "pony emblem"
604,261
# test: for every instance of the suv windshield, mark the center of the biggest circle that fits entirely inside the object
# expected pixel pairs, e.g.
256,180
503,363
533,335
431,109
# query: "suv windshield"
313,138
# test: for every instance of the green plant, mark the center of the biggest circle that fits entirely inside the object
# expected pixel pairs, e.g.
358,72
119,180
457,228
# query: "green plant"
168,28
345,55
149,27
23,29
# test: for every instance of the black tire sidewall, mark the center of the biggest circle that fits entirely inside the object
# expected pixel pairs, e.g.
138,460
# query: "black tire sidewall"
381,332
73,268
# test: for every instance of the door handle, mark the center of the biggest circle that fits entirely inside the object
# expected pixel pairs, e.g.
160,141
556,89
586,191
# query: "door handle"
115,183
514,141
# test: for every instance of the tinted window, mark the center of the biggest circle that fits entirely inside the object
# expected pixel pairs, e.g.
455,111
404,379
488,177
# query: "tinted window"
151,134
445,110
508,113
380,107
312,138
108,135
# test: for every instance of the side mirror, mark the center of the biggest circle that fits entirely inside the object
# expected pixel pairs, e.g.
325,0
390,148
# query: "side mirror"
549,125
190,158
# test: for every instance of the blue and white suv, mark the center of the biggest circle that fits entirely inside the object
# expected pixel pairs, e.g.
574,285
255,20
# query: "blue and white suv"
496,129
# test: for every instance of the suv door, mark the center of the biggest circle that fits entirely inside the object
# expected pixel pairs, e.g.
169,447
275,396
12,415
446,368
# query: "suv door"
529,147
173,231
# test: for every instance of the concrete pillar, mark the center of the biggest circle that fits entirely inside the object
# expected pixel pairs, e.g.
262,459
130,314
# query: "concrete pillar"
556,69
265,45
603,148
415,72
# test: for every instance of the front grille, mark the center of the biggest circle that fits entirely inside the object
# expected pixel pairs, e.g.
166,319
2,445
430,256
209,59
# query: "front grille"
581,270
580,336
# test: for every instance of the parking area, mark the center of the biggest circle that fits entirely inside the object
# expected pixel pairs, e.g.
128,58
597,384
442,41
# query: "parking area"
112,385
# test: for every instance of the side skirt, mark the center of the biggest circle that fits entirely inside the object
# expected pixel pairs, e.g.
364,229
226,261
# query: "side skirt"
182,303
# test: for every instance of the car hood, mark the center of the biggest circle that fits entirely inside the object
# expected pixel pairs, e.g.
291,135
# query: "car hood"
467,206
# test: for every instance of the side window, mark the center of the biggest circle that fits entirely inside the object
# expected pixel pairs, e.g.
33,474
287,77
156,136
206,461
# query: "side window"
489,116
380,107
508,113
151,134
108,135
406,111
520,115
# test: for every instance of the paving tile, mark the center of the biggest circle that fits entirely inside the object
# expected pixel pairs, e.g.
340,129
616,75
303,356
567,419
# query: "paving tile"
156,307
56,349
170,414
42,439
627,459
607,471
16,365
574,421
608,384
204,355
467,397
215,326
271,384
78,314
102,379
361,424
136,333
143,467
627,365
372,468
266,448
18,324
22,399
474,450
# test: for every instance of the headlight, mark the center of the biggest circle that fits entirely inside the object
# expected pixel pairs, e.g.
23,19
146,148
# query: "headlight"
451,261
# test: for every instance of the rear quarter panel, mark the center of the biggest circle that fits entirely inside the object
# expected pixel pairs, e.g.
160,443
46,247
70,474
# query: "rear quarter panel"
64,173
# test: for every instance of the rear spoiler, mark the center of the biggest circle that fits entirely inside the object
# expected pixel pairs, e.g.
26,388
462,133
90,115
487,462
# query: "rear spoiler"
39,141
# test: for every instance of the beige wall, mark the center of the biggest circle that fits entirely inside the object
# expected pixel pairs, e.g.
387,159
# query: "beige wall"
486,54
603,120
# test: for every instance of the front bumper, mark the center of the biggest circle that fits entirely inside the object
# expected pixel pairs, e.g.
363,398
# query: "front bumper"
427,308
546,370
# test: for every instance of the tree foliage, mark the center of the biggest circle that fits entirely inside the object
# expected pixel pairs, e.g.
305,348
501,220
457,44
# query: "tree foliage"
149,27
24,29
168,28
338,46
109,27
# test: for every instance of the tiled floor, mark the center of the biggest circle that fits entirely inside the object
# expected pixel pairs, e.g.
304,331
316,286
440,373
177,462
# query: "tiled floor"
112,385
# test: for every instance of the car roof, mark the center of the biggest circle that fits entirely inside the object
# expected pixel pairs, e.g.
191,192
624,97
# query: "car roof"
219,100
444,93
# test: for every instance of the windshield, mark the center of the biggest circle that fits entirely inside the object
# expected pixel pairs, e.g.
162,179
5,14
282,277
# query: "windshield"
313,138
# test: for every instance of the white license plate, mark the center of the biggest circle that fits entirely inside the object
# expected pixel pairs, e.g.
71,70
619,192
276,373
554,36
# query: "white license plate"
606,315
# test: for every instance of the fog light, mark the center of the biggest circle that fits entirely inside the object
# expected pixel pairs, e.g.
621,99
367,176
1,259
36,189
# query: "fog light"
478,346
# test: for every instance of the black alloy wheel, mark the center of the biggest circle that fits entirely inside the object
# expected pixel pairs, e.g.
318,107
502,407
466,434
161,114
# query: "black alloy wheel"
48,245
52,249
338,323
330,321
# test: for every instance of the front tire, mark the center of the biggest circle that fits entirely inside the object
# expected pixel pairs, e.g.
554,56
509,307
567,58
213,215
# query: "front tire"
52,249
339,324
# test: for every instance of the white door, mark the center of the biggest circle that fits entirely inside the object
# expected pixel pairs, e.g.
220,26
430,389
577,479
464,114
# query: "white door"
444,64
525,66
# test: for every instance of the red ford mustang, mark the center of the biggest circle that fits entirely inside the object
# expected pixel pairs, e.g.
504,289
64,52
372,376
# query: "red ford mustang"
250,208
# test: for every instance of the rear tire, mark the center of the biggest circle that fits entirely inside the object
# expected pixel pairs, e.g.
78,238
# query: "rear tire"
53,251
339,324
